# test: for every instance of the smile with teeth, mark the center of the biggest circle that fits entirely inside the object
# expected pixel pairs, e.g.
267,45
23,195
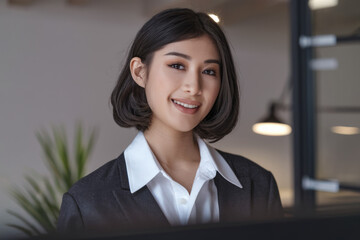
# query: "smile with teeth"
185,105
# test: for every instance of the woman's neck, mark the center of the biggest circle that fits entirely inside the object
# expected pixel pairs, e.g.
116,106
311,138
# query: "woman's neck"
171,146
177,152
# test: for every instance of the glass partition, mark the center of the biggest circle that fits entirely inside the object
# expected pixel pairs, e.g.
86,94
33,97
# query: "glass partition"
338,105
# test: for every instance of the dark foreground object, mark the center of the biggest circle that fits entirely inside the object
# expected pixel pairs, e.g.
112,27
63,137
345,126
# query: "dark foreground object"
317,227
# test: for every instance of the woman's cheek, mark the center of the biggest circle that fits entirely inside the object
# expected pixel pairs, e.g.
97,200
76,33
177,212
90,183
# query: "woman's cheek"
213,86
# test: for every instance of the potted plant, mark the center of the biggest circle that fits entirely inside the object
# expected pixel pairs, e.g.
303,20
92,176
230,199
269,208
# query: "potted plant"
41,196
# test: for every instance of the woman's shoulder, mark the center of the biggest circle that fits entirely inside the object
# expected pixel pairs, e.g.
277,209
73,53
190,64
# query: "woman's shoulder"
244,167
102,178
260,183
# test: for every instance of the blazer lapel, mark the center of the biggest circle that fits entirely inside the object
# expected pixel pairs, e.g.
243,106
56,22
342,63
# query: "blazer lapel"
234,202
140,207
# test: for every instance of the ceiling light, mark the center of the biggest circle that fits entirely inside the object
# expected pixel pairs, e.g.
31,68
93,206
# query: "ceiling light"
271,125
318,4
214,17
345,130
272,129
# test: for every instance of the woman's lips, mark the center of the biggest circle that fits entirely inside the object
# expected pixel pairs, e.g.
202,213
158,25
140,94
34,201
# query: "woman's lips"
186,105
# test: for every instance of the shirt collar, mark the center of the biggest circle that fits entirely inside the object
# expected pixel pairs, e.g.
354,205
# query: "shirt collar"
212,159
142,166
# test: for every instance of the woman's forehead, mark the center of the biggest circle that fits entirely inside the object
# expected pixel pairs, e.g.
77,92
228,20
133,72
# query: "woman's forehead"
202,47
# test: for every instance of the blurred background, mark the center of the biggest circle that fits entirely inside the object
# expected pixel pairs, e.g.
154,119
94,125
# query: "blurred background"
60,59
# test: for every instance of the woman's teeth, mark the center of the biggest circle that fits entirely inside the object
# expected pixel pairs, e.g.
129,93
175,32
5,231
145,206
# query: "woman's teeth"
185,104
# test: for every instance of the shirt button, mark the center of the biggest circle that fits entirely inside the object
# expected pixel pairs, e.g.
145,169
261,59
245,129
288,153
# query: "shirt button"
183,201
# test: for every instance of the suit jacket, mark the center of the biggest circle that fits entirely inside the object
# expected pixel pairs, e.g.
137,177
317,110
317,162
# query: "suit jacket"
102,200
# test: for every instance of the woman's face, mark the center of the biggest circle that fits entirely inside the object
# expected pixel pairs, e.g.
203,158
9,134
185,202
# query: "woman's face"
183,83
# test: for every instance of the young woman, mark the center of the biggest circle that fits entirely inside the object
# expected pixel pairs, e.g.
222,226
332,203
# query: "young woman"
177,88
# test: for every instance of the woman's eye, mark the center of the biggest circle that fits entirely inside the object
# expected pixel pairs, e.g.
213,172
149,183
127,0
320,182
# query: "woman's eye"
210,72
177,66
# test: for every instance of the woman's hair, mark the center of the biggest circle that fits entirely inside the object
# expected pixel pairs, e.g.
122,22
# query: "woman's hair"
130,107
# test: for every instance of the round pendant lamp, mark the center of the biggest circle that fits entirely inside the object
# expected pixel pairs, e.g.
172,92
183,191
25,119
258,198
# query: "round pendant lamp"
271,125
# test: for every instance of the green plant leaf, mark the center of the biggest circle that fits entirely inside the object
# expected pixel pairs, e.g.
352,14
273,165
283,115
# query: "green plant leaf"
50,189
47,147
61,146
88,149
29,207
79,152
45,219
25,221
33,183
22,229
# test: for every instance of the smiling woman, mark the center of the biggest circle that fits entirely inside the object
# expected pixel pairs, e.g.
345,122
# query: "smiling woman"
178,88
171,27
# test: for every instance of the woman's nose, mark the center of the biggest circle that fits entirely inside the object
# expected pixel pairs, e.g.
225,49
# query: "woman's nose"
192,84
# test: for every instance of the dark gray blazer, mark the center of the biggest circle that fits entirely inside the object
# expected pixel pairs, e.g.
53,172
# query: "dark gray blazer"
102,200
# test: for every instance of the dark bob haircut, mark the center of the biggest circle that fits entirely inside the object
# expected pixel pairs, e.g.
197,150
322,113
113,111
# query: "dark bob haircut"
130,107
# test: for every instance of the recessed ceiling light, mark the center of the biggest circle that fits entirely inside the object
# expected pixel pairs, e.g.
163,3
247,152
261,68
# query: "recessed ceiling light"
345,130
214,17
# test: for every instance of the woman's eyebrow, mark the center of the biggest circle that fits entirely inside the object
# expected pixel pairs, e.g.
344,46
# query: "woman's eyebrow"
212,61
189,58
179,55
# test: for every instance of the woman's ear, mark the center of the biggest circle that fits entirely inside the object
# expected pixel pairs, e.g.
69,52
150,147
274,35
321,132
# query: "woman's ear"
138,71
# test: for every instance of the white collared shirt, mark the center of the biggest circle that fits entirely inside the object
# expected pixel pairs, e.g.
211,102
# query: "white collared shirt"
179,207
